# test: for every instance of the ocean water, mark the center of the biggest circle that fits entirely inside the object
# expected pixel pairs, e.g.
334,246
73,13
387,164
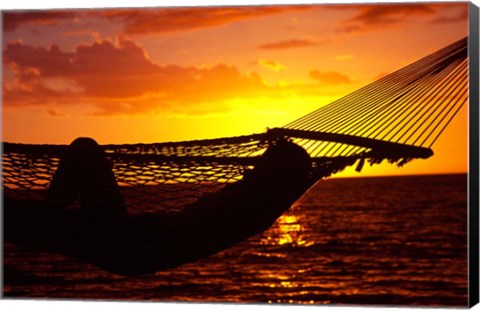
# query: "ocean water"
359,241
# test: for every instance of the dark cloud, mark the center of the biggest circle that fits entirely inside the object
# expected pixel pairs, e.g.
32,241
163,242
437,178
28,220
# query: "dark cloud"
13,20
460,17
391,13
118,77
103,69
294,43
151,20
378,16
146,21
330,77
270,64
54,113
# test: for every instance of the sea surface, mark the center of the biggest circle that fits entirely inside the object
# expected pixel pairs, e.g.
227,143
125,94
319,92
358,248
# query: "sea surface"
359,241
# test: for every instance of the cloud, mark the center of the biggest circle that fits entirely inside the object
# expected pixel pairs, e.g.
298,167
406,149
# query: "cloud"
117,77
330,77
294,43
460,17
378,16
13,20
23,85
271,65
148,21
54,113
102,69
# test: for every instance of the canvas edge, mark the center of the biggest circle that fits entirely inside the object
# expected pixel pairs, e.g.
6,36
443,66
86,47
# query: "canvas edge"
474,160
473,244
1,167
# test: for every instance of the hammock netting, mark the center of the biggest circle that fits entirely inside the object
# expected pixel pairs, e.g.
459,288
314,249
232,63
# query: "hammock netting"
397,118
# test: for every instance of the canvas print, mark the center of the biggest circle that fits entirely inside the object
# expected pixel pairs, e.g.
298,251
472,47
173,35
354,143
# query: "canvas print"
280,154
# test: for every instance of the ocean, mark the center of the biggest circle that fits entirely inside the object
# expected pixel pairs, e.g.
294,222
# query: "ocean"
358,241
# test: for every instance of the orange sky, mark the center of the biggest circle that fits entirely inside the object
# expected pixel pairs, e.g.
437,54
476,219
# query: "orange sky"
170,74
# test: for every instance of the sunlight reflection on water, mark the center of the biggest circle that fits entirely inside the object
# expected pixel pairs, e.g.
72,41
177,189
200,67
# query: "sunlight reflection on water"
288,230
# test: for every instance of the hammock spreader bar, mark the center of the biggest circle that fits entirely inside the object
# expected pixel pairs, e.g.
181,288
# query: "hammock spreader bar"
401,150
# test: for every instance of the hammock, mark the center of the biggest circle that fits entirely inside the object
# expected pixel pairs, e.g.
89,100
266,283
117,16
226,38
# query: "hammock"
178,202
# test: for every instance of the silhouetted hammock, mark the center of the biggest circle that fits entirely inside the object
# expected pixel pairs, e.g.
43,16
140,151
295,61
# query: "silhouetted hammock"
136,209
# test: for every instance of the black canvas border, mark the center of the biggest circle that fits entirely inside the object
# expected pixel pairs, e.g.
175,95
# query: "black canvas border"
473,246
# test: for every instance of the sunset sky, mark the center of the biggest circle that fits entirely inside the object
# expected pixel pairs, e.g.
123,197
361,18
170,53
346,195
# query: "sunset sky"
172,74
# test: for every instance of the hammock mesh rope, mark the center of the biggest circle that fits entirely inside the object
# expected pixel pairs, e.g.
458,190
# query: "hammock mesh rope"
397,118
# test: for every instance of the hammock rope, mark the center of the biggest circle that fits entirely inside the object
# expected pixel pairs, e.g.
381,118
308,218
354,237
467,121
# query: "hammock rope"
397,118
401,107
